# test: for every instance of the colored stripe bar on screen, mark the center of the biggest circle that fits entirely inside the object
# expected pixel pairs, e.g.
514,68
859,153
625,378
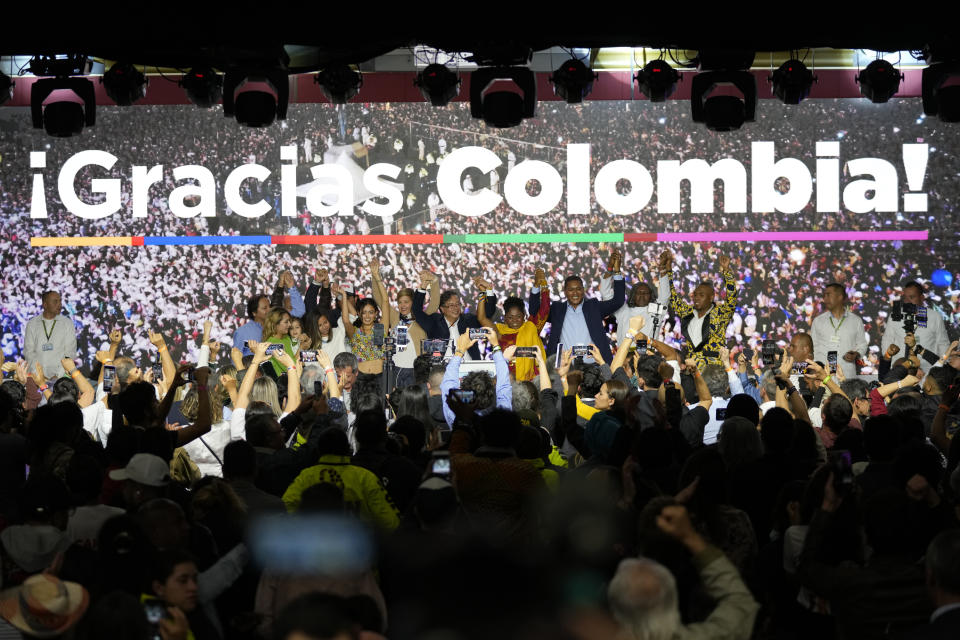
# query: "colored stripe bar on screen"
789,236
162,241
412,238
485,238
113,241
540,238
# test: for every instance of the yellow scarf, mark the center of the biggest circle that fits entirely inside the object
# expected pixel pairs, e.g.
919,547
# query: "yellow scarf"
585,411
527,336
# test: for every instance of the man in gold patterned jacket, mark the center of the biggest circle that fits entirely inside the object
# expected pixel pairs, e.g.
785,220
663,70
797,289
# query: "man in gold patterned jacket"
704,324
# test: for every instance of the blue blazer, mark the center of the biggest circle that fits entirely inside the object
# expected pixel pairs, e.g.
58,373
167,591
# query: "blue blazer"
435,325
594,311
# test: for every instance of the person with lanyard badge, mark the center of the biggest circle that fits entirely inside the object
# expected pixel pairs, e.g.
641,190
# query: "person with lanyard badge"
49,337
838,334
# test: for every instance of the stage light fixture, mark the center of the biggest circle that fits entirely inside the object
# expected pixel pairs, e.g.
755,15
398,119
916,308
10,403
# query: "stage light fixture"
75,106
124,84
503,108
792,82
256,97
6,87
203,86
438,84
723,112
573,81
879,81
339,83
939,98
657,80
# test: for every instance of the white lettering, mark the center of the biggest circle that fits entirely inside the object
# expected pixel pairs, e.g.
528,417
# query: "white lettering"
340,185
393,192
206,190
884,186
231,189
448,181
578,179
702,177
142,181
108,186
551,188
605,187
766,172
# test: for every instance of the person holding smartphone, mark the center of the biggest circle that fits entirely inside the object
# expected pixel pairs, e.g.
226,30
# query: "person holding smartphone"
838,329
173,608
276,330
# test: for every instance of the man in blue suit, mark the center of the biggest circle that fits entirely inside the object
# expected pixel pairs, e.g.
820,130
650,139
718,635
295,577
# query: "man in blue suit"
450,321
579,321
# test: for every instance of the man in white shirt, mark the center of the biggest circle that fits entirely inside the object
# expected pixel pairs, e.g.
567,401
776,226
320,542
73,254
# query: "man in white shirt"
837,329
638,304
49,337
929,330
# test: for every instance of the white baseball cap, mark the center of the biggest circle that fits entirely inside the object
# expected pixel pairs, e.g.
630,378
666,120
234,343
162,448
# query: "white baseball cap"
146,469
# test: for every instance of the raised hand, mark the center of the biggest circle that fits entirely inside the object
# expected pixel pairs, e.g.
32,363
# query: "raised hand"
68,365
615,261
323,358
566,358
595,352
481,284
724,355
335,289
665,264
464,342
724,263
509,352
322,276
540,278
637,323
814,371
375,268
156,339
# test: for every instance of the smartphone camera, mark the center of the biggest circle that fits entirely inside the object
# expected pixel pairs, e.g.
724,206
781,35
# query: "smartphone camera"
465,396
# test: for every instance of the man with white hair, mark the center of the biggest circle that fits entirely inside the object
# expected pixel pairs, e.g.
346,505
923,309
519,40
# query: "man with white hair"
643,593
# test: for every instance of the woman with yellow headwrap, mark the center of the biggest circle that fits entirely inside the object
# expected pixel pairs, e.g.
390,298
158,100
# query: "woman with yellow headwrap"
517,328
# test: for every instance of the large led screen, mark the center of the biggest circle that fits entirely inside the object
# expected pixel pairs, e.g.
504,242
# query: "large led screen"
163,216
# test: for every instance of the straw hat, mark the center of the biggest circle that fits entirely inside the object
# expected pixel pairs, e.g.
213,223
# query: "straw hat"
44,606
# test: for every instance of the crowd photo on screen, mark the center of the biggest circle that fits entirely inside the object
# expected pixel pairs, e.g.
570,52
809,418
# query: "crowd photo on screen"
459,438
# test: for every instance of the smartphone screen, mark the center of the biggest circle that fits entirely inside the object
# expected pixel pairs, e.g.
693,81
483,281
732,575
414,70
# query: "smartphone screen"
832,361
440,466
477,334
463,395
109,376
526,352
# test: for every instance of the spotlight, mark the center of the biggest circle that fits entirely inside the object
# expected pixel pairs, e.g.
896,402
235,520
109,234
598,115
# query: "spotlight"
723,112
573,81
203,85
792,81
939,98
75,105
657,80
503,108
256,97
124,84
879,81
438,84
339,83
6,87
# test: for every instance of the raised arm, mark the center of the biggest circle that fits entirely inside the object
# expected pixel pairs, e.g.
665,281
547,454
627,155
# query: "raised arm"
333,385
293,379
348,327
204,416
665,287
609,307
504,387
636,326
434,305
482,318
166,360
87,392
111,353
259,356
380,295
703,391
729,303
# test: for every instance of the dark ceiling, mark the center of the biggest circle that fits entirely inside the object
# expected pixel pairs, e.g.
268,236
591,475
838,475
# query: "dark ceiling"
179,34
